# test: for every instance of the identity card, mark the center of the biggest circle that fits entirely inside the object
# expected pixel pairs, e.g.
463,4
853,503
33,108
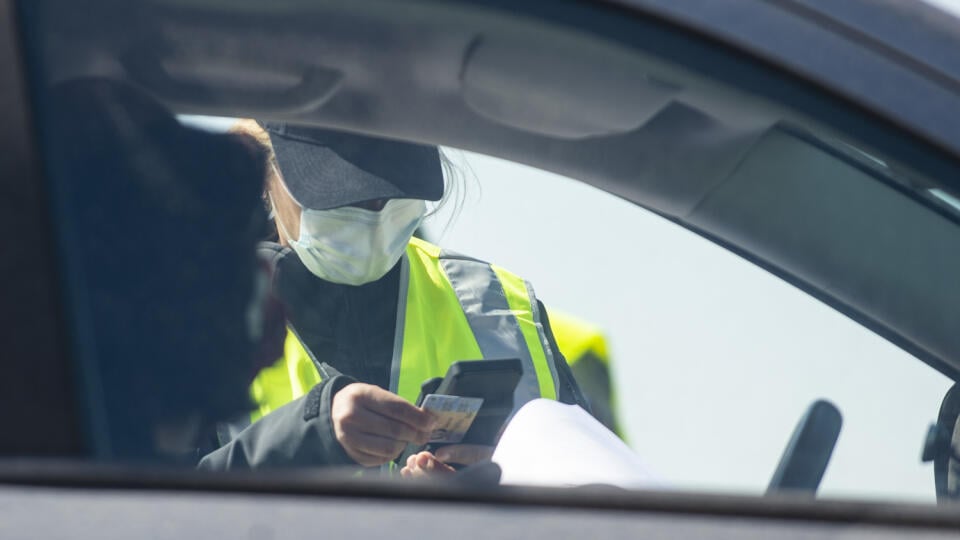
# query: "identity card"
455,414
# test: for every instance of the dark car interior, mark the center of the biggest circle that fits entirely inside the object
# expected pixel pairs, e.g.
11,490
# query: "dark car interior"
824,194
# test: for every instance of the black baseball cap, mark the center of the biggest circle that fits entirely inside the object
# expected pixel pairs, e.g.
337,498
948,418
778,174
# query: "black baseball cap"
326,169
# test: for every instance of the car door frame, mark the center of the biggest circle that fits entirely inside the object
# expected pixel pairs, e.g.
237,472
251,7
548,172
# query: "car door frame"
37,390
40,392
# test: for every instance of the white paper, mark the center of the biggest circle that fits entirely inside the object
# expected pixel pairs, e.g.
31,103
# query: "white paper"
548,443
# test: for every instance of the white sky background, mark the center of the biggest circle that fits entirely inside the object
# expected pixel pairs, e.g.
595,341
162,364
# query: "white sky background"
715,360
952,6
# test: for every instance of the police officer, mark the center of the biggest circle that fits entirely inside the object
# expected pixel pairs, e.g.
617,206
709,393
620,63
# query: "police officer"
373,312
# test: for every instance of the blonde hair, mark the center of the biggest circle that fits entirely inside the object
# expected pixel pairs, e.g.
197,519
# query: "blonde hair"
251,128
254,134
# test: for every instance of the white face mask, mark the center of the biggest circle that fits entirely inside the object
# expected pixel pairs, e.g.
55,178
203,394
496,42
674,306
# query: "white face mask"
354,246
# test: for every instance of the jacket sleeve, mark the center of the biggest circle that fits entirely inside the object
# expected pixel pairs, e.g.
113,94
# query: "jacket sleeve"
568,391
296,435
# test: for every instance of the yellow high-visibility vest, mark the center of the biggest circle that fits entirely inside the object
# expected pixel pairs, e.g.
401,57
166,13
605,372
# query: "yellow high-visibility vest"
451,307
577,337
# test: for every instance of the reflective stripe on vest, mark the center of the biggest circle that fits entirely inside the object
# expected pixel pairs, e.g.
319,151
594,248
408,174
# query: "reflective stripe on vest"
450,308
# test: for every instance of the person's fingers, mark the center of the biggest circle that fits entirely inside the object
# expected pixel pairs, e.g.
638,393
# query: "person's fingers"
413,468
423,459
351,421
352,402
374,445
352,416
393,406
432,465
424,465
464,454
366,421
415,473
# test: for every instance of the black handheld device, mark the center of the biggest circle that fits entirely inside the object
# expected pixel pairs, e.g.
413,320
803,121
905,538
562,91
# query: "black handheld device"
492,380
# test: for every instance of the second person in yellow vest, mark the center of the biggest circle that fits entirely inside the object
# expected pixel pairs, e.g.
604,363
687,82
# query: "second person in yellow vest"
372,312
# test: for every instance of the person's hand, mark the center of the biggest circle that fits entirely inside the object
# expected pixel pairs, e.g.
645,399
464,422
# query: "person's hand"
425,466
373,425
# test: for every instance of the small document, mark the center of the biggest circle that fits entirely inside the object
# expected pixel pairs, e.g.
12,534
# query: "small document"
455,415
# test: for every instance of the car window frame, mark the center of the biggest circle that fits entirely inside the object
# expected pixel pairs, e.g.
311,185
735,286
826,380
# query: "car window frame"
38,389
52,372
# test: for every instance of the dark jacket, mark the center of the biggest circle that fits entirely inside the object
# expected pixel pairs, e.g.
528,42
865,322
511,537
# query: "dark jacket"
351,328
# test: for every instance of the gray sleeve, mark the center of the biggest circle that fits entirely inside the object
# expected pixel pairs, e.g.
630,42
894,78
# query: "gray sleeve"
296,435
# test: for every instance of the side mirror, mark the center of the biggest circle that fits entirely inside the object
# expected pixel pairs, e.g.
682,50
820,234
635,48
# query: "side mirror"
807,454
942,447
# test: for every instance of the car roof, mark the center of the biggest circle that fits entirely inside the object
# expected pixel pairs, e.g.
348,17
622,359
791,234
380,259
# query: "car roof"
879,53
